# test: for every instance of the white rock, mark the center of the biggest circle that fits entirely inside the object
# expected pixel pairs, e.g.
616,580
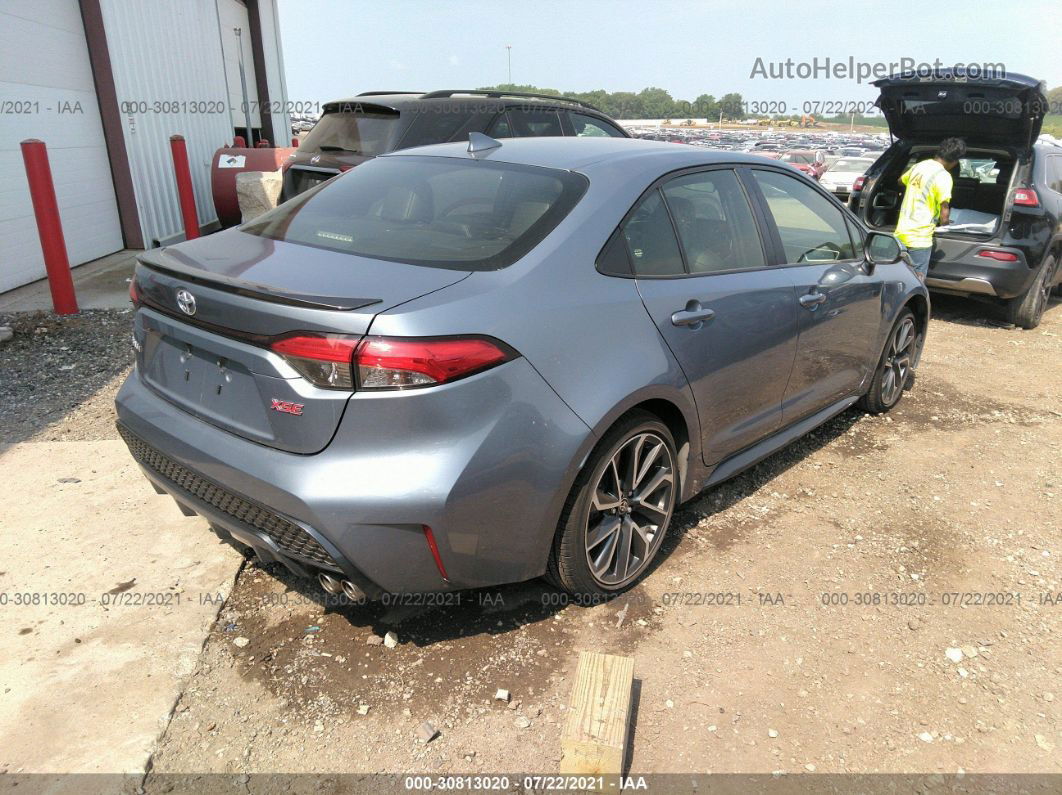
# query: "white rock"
772,733
363,709
241,642
502,695
926,737
390,640
521,722
953,654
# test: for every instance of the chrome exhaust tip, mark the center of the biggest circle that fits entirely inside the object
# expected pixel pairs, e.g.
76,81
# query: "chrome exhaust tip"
330,583
352,592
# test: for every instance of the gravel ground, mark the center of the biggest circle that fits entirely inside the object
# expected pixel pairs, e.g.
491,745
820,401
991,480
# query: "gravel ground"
953,496
59,375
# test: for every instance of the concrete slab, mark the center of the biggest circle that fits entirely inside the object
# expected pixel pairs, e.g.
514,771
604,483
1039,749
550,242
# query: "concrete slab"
100,284
107,594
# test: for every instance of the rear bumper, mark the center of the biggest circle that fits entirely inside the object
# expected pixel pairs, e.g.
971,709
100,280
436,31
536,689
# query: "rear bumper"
485,462
955,267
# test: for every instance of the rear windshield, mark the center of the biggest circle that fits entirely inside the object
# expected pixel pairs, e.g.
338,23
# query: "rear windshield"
851,164
439,212
363,133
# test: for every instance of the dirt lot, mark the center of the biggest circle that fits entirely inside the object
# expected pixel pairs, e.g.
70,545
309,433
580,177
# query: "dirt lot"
876,598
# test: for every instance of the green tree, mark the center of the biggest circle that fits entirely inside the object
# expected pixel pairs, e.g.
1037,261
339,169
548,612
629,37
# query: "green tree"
732,107
706,106
657,103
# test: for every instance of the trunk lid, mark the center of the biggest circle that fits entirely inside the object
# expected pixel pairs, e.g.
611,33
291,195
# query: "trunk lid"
1007,109
244,290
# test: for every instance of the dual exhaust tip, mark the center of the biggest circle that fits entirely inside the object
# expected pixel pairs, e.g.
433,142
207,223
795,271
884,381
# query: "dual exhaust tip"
335,586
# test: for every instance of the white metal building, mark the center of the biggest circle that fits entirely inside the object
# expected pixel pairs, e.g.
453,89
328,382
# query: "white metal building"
105,83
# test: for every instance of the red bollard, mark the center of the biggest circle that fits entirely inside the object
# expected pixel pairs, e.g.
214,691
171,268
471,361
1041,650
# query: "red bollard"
184,187
239,142
49,226
295,142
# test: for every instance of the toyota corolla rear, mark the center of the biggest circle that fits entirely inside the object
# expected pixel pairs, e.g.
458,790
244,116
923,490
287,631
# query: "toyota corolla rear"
262,400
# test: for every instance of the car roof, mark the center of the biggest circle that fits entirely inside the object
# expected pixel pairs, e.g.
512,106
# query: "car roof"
588,154
401,100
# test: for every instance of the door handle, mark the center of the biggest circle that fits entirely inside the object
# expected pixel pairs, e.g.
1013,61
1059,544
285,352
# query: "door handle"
693,315
812,300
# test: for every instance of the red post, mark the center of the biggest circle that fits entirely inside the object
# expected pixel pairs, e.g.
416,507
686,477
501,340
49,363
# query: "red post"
295,142
49,226
184,186
239,142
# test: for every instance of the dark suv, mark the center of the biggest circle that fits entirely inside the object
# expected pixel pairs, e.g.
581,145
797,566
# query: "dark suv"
1004,241
350,131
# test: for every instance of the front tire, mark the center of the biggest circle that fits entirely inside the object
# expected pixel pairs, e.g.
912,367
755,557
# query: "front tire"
894,370
619,509
1027,310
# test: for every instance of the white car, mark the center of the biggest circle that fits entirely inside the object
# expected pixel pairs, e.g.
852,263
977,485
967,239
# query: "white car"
839,175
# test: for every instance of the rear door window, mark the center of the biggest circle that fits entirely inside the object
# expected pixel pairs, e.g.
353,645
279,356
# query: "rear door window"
436,125
811,227
500,127
530,122
589,127
714,221
651,242
1054,173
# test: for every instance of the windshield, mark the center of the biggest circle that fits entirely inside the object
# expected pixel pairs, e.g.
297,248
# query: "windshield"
850,164
796,157
439,212
360,133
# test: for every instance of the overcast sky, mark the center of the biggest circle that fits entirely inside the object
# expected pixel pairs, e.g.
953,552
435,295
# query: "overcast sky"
337,48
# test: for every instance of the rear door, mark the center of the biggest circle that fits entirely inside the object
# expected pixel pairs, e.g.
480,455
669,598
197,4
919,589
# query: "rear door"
729,318
840,302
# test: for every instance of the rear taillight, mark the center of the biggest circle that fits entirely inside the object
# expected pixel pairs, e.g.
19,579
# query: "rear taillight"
134,292
337,362
324,360
403,363
1026,197
859,182
999,256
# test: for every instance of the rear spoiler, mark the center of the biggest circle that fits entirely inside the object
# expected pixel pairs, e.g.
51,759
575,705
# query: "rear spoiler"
159,261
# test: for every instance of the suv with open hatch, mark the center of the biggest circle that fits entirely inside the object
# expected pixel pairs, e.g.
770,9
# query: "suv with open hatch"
1003,243
466,365
350,131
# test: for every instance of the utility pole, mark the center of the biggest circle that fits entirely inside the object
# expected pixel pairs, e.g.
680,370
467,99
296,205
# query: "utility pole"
509,53
243,86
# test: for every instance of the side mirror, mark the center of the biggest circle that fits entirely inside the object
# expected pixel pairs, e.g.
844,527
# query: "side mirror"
882,249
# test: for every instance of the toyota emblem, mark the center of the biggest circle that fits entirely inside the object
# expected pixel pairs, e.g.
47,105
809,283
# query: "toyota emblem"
186,302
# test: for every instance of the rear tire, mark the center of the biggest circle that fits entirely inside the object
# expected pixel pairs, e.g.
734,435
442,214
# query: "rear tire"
619,510
894,371
1027,310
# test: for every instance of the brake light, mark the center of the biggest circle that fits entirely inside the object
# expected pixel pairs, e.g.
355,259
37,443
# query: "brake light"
859,182
134,292
334,361
324,360
999,256
402,363
1026,197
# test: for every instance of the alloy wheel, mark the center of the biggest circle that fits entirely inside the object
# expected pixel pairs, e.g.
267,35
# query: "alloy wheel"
898,361
630,509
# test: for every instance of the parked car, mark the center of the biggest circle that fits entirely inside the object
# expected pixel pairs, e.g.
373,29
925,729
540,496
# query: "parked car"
460,366
811,162
351,131
1004,243
840,175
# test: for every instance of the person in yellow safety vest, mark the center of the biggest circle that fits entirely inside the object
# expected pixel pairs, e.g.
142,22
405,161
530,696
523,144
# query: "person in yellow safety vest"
927,202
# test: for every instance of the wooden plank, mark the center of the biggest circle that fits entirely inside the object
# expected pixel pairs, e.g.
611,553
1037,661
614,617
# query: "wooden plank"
595,735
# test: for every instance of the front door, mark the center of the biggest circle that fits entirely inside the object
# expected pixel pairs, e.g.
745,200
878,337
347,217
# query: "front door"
840,300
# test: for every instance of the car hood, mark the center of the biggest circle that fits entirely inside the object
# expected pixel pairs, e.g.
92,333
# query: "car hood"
1002,109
